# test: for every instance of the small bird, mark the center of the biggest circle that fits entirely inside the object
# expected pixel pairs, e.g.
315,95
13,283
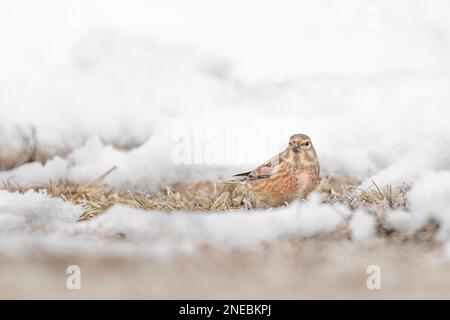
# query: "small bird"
291,175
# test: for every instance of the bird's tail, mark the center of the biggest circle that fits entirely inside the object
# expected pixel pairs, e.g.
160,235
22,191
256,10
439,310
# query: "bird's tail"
237,178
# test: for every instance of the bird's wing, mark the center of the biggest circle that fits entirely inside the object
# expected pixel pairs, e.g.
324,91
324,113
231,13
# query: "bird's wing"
267,170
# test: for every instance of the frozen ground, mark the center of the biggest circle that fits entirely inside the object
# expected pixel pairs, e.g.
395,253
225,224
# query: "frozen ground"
168,95
291,270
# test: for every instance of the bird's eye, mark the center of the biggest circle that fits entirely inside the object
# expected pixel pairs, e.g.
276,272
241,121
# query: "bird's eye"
307,144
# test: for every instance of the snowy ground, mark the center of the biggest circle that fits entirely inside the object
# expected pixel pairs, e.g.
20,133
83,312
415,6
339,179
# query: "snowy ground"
290,270
168,95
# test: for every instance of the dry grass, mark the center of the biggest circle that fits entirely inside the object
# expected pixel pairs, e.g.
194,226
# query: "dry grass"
202,197
97,197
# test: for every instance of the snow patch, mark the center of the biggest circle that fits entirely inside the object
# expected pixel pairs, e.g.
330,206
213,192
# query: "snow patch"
362,226
35,212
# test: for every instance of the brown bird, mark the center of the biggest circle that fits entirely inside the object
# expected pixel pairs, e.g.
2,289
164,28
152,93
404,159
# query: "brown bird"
291,175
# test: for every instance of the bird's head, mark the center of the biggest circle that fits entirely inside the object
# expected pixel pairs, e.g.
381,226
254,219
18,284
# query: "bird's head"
300,142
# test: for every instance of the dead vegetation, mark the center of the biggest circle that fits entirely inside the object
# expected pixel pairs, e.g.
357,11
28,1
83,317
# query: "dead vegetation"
96,198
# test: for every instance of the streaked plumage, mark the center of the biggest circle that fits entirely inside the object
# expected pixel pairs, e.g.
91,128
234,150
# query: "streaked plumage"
291,175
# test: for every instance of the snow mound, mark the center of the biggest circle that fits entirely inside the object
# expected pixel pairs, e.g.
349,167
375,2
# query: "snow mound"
53,222
34,212
362,226
223,230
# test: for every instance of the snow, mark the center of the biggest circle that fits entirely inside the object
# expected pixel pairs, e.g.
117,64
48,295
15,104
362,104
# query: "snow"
223,230
34,212
47,218
362,226
429,199
167,94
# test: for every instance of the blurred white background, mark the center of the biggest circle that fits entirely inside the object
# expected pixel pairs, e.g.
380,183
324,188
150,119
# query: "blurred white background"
367,80
181,91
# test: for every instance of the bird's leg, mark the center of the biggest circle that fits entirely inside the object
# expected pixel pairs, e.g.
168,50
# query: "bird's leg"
239,194
222,199
247,204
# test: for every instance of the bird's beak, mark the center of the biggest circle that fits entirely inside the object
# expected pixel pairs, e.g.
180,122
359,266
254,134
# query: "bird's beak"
295,147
